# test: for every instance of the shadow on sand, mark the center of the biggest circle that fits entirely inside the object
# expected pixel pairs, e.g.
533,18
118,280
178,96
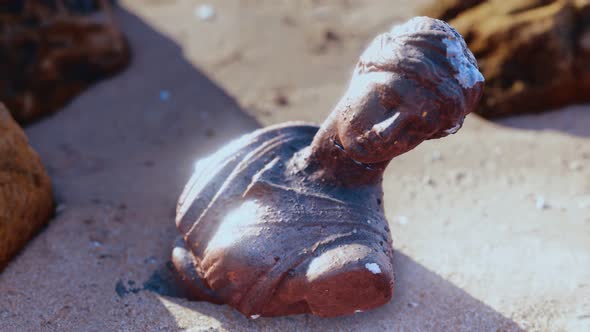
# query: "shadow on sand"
573,120
423,301
119,156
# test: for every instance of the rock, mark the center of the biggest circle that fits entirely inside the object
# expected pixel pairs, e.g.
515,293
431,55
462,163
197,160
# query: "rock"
52,50
447,10
534,54
205,12
26,201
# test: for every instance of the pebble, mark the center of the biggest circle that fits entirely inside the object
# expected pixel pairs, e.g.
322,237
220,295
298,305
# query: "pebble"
60,208
436,155
428,181
575,165
205,12
460,177
540,203
281,100
402,220
164,95
584,202
150,260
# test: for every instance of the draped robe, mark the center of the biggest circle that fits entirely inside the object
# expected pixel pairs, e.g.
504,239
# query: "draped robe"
268,241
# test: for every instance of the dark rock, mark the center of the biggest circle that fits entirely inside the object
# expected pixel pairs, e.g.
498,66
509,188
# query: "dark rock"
447,10
534,54
52,50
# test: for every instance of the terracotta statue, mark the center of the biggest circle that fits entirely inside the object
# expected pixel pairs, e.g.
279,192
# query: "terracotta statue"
289,219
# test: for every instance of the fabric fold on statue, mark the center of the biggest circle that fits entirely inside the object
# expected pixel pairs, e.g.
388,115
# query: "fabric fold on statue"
247,252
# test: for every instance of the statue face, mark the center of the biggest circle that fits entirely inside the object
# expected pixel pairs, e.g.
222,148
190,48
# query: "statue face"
384,115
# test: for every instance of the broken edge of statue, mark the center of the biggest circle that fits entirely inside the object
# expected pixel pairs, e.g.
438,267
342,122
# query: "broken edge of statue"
50,51
289,219
535,54
26,201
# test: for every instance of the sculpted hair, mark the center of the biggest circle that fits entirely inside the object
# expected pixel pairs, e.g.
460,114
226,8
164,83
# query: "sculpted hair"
434,55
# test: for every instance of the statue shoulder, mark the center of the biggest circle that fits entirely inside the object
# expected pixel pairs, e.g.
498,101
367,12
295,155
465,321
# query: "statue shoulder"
211,172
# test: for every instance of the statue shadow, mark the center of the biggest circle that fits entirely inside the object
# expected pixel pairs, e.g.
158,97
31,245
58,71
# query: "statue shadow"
573,120
423,301
119,156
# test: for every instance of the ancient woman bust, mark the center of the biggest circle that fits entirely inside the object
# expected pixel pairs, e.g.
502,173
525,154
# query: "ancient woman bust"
289,219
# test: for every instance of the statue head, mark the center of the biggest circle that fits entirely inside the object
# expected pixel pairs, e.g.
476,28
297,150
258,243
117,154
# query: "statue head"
413,83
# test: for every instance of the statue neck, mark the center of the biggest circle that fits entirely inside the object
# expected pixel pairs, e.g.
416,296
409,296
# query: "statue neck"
326,160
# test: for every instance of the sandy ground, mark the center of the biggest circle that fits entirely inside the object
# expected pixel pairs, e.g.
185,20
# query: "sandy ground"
491,226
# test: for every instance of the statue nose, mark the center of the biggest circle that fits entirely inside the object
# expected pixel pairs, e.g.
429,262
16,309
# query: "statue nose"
383,128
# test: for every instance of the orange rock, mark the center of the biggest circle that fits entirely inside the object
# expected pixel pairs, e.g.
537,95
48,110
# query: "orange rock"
52,50
26,201
534,54
447,10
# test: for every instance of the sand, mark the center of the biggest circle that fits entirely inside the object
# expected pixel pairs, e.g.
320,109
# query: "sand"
490,226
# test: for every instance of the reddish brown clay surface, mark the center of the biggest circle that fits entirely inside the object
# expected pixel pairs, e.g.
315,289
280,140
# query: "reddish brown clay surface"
26,201
289,219
52,50
534,54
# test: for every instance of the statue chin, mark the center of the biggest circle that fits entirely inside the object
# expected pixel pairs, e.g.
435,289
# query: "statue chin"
360,153
377,153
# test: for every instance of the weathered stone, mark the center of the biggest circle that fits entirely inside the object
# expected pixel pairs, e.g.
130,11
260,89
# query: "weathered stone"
26,201
534,54
449,9
52,50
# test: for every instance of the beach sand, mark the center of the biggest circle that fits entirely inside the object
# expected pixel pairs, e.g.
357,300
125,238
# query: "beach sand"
491,226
